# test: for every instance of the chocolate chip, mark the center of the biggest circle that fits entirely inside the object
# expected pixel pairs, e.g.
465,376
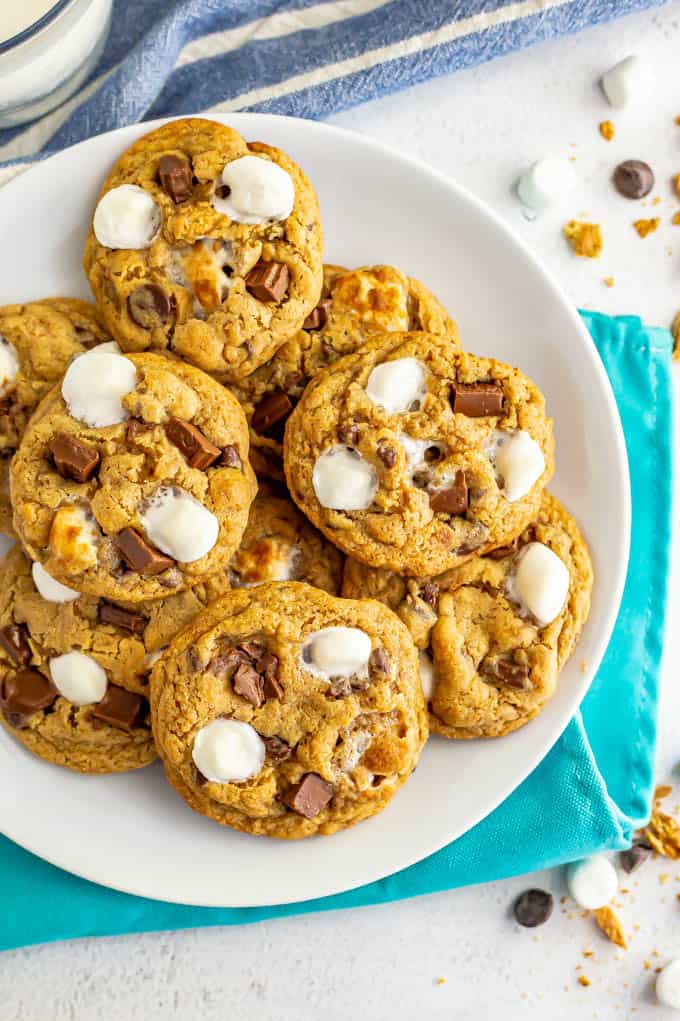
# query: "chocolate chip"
268,281
249,684
503,551
148,305
515,675
109,613
135,427
533,907
230,457
635,856
348,434
26,692
387,454
318,317
140,555
196,448
339,688
430,593
633,179
252,649
454,499
14,640
268,665
379,660
433,454
73,458
223,191
274,407
278,750
225,663
477,400
310,796
122,709
175,175
422,478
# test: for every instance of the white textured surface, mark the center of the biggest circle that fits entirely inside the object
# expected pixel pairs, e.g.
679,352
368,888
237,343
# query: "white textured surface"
481,126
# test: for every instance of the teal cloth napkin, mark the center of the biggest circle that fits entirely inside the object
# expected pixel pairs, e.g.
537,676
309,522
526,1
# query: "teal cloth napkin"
589,793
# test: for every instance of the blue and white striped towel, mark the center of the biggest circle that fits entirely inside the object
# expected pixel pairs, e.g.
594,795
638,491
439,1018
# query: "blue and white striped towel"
300,57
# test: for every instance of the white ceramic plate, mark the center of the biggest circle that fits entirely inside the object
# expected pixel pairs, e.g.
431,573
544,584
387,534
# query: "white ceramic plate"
131,832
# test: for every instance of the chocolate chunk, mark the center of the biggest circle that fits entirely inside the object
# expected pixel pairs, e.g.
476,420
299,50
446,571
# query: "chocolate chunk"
109,613
73,458
503,551
26,692
477,400
122,709
252,649
268,665
348,434
278,750
635,856
533,907
268,281
452,500
515,675
310,796
379,660
225,663
272,409
249,684
318,317
14,640
387,454
430,593
230,457
339,688
197,448
422,478
140,555
195,661
135,427
176,177
633,179
148,305
433,454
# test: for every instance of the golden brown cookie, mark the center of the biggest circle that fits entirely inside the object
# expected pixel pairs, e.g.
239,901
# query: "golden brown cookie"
216,259
413,456
284,711
488,664
132,480
356,305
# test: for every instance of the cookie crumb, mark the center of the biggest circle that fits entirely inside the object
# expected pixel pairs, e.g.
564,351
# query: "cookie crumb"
656,201
606,130
608,282
588,953
584,238
676,184
583,980
663,878
645,227
610,924
441,980
677,119
676,219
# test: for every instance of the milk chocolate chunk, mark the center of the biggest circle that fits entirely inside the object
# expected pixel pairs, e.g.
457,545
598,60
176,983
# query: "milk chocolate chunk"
379,660
249,684
230,457
175,175
633,179
140,555
197,448
268,666
14,640
136,427
452,500
268,281
148,305
348,434
387,454
26,692
278,750
318,317
122,709
477,400
74,459
533,907
273,409
430,593
224,663
632,859
515,675
310,796
339,688
109,613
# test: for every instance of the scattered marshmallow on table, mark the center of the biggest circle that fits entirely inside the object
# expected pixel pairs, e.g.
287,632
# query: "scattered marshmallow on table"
126,217
78,678
668,985
259,190
427,676
338,652
94,384
518,460
9,363
228,751
179,525
592,882
626,82
545,183
397,386
541,582
343,480
49,588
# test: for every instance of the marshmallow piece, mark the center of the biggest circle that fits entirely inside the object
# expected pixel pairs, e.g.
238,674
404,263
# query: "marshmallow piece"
545,183
78,678
94,384
74,537
177,524
668,985
109,345
9,363
126,217
541,582
228,751
398,385
337,652
625,82
260,190
49,588
518,460
152,658
343,480
592,882
427,675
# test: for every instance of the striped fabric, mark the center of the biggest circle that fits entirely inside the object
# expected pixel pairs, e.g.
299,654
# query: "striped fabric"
307,58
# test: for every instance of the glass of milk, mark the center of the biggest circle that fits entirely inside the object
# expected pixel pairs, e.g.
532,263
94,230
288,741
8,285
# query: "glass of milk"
47,49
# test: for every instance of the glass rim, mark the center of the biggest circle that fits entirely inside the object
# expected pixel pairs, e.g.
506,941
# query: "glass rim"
37,26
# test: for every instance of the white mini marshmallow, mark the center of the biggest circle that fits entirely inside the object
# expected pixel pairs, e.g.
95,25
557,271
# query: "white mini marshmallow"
540,582
228,751
343,480
626,82
518,460
545,183
260,190
592,882
668,985
94,384
398,385
9,363
179,525
337,652
126,217
427,674
51,589
111,346
78,678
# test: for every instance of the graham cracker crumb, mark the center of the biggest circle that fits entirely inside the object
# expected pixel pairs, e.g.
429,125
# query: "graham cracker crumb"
646,965
662,831
656,201
662,791
608,282
663,878
441,980
677,119
676,184
645,227
588,953
584,238
675,330
607,130
676,219
583,980
610,923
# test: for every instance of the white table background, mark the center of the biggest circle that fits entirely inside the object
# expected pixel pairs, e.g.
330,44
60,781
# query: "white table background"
479,126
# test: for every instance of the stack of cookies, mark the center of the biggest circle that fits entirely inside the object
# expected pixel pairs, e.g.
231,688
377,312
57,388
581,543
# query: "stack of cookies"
274,524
